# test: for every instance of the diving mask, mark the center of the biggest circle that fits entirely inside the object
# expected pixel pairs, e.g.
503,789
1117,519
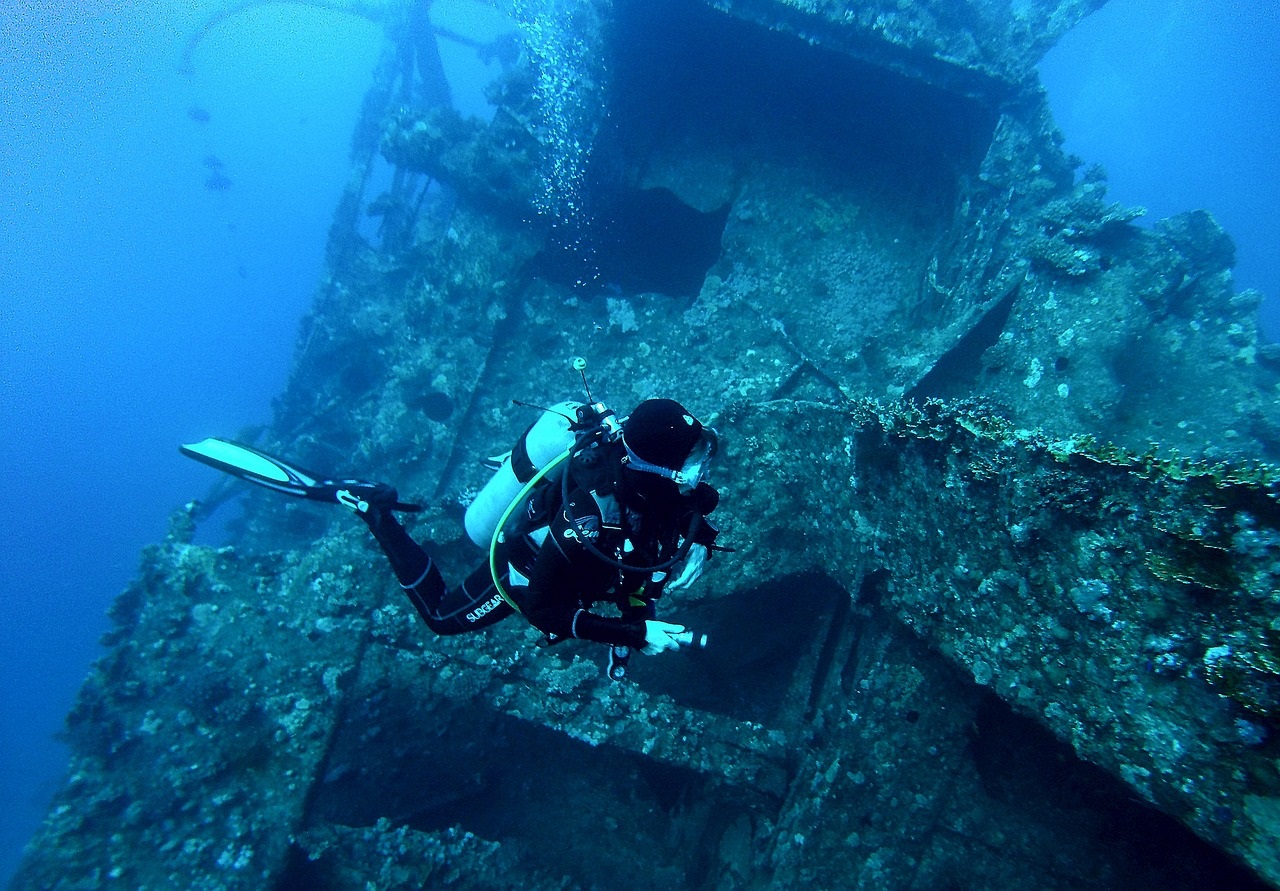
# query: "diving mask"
691,473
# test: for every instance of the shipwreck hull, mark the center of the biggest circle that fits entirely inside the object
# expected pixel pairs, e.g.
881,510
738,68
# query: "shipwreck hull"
1001,605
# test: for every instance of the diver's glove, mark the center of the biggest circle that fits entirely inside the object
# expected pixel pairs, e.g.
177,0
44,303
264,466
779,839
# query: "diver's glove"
691,570
661,636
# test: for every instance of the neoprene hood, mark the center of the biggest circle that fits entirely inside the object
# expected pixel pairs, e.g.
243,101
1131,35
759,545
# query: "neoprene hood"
662,432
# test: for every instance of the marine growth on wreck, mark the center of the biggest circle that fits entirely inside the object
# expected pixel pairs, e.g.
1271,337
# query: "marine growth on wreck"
998,466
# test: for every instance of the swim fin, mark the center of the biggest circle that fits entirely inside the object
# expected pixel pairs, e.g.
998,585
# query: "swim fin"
262,469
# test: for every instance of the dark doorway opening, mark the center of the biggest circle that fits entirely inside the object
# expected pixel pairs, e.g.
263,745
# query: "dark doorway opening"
637,241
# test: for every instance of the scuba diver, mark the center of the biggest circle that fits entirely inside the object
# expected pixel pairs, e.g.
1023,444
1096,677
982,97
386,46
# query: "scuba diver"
584,510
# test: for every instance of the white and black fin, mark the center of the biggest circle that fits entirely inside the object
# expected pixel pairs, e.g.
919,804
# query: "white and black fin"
262,469
252,465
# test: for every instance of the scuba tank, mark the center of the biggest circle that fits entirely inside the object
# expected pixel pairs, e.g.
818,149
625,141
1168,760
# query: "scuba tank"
545,441
568,425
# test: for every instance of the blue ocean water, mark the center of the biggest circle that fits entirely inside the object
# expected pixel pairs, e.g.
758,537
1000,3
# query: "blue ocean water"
1179,100
141,308
162,234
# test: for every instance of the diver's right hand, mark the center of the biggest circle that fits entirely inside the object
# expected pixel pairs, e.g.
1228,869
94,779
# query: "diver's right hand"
660,637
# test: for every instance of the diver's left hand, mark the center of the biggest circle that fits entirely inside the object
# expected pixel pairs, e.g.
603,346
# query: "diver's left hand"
691,569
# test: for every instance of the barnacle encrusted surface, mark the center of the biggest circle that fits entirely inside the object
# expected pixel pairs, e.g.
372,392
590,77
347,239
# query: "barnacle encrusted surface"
998,467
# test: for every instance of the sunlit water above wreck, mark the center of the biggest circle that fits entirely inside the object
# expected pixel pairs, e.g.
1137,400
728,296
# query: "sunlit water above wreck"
164,233
1178,101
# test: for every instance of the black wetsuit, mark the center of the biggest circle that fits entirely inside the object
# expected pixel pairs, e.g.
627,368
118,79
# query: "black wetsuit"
632,519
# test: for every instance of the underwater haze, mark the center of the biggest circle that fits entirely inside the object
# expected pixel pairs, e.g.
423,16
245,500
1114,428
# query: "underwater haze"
1179,101
164,226
163,233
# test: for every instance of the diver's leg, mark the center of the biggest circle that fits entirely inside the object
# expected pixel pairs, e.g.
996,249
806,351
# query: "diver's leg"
410,562
473,605
413,566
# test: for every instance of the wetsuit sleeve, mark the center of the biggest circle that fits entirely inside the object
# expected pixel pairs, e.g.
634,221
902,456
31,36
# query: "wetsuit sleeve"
552,604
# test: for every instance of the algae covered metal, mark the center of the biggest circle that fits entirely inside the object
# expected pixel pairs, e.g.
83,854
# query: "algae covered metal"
998,466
